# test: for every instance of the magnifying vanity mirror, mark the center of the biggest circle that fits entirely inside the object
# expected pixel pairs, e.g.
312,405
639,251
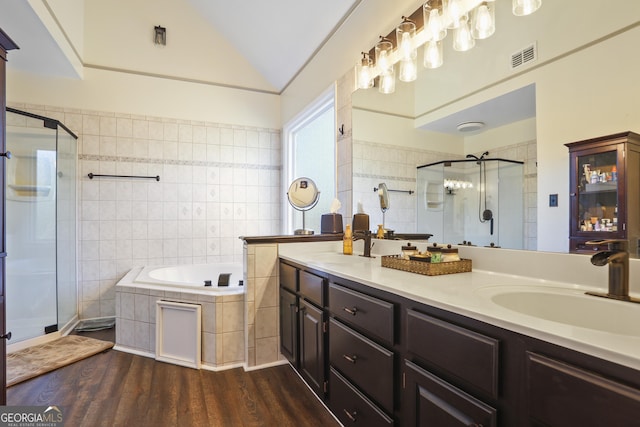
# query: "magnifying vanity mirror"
303,195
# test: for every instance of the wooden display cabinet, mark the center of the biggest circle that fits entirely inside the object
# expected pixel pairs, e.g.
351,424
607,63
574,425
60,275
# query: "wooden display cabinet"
605,191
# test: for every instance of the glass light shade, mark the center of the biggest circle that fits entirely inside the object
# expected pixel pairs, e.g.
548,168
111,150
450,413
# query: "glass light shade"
405,33
454,12
434,23
462,39
433,56
364,73
408,70
483,21
383,51
387,81
525,7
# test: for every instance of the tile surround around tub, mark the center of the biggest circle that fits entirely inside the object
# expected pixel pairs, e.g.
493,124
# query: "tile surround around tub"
217,182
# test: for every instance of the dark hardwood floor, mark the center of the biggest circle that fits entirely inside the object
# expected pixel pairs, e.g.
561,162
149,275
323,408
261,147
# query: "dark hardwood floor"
121,389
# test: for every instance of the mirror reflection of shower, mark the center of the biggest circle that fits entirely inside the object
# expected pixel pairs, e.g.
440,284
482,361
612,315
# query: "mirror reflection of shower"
474,199
487,214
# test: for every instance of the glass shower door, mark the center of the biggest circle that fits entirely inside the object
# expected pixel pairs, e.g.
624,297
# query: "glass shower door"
31,186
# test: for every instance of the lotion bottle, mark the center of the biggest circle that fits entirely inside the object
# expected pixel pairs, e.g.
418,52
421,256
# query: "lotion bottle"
347,241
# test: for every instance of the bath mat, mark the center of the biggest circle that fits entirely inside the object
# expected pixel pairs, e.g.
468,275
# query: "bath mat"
42,358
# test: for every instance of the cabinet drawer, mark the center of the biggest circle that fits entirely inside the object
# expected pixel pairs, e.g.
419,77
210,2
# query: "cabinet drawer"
363,362
466,355
288,277
431,401
560,394
311,287
371,314
352,407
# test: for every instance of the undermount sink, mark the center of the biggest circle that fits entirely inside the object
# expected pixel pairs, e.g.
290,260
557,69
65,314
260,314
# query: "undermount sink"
569,307
338,258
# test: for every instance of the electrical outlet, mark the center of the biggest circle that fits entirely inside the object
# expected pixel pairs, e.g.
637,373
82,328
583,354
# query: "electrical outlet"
553,200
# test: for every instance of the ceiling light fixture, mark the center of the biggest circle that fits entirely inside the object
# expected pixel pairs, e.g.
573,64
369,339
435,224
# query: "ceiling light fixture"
470,20
470,126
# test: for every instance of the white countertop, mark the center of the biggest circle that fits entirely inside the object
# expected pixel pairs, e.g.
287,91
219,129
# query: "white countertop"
469,294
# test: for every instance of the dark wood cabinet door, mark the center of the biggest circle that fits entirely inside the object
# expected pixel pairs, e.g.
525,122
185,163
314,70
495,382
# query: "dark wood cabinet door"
289,325
312,364
432,402
565,395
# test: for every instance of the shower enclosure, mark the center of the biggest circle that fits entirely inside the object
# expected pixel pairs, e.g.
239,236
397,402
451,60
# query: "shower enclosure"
477,200
40,182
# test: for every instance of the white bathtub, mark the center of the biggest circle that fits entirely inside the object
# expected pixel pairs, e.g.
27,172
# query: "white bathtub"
187,278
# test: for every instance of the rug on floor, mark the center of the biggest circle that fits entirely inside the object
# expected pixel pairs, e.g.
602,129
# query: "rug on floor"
42,358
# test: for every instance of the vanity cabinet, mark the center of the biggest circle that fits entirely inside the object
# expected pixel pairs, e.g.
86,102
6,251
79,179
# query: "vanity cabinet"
303,325
362,356
605,191
393,361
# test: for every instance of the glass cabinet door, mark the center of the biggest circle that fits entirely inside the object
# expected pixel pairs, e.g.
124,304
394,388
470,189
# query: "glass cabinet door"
597,192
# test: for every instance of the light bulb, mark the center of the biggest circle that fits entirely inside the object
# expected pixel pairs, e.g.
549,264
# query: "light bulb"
383,60
364,77
462,40
525,7
433,54
406,46
387,81
483,22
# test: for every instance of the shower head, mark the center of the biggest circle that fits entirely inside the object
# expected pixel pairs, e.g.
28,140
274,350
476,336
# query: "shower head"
486,153
471,156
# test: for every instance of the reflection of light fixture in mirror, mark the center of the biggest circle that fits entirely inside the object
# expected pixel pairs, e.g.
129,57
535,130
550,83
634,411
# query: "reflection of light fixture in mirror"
433,57
462,39
405,34
160,35
525,7
470,126
450,185
364,72
303,195
483,20
384,50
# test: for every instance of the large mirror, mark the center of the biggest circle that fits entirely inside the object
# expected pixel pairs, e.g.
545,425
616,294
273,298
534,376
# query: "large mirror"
575,87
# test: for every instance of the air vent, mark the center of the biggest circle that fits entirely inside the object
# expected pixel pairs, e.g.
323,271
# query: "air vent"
528,54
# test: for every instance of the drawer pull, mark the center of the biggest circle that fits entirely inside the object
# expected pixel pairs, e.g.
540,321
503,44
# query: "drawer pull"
351,415
353,311
475,425
351,359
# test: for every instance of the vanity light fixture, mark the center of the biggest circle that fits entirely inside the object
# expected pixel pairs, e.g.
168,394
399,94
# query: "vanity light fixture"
428,26
160,35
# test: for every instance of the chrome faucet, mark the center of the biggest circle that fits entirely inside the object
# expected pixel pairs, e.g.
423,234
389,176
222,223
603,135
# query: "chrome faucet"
617,258
366,236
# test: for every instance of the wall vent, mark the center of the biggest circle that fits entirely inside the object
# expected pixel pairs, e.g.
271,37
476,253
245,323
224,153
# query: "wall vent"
528,54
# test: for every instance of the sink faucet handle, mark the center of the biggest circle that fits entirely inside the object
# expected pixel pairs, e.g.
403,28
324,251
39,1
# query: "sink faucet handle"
613,244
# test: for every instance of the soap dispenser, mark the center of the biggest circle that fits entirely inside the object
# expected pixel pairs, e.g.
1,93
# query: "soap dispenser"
347,241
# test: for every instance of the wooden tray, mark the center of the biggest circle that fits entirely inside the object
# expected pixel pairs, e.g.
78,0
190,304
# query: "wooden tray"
426,268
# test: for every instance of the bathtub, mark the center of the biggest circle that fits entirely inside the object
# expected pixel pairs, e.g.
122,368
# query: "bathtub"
188,278
140,296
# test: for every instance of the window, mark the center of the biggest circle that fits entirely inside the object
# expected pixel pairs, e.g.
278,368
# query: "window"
310,151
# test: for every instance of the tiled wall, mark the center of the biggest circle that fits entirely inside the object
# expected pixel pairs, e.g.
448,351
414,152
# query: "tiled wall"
217,182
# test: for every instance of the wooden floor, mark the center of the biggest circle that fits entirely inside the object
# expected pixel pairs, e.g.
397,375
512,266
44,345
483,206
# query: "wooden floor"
120,389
